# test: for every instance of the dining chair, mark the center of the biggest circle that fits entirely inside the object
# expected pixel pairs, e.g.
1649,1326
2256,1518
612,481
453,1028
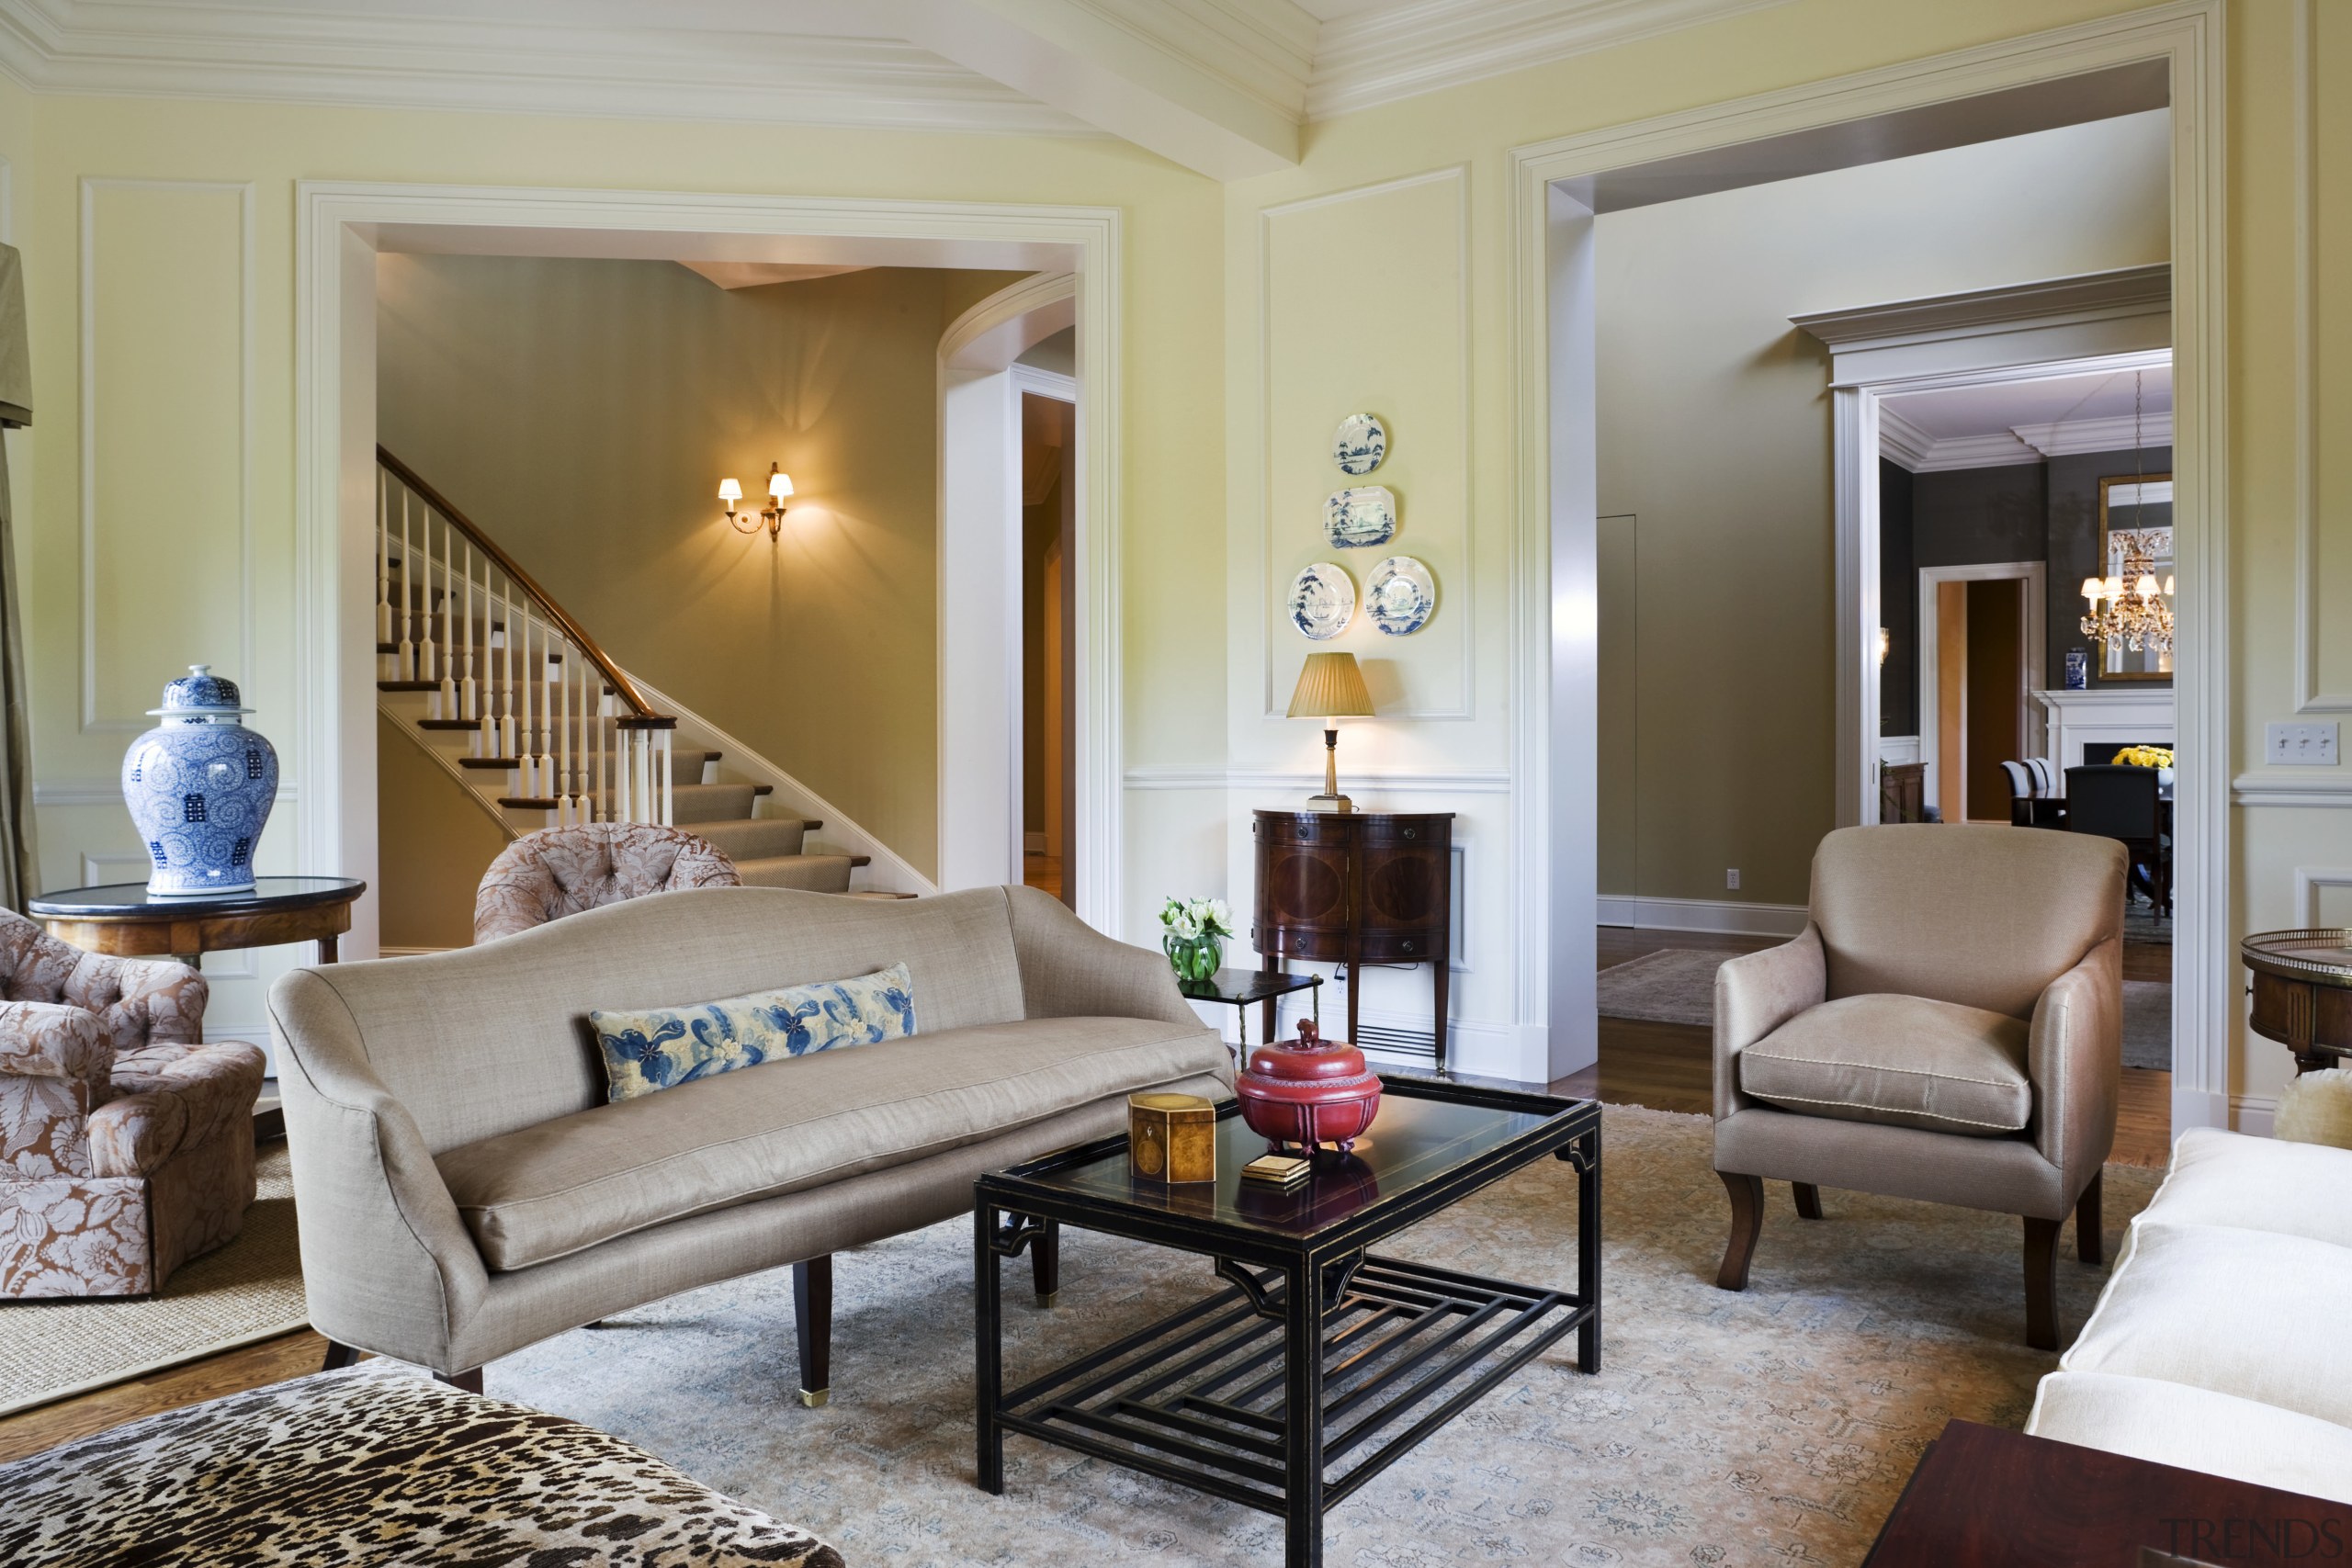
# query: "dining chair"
2117,801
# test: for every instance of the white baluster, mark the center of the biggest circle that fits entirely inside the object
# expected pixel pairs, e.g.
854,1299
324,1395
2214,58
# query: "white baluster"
563,735
527,783
444,659
665,778
407,655
469,707
506,705
596,798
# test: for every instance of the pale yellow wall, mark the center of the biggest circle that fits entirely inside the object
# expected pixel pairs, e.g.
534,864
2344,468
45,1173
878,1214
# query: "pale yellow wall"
155,542
2275,845
435,842
1714,430
582,414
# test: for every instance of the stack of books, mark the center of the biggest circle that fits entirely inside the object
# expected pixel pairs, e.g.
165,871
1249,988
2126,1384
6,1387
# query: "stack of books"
1277,1170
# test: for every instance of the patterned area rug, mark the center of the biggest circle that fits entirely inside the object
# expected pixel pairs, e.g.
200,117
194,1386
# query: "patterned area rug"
249,1290
1677,985
1776,1426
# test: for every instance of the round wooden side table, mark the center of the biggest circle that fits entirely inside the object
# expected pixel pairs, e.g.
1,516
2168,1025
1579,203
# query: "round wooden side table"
2302,992
122,919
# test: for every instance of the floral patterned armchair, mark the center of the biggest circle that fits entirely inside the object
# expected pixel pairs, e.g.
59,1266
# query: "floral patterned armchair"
125,1143
555,871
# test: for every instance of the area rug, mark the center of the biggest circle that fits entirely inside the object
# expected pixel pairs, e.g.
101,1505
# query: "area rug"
1776,1425
1677,985
249,1290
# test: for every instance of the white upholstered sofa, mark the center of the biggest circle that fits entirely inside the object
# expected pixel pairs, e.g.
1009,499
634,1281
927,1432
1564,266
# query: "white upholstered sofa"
2219,1344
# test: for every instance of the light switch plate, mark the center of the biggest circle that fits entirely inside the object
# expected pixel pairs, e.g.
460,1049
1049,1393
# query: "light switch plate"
2300,745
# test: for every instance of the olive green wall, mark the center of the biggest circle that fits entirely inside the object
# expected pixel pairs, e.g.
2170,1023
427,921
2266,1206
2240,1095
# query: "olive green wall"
434,844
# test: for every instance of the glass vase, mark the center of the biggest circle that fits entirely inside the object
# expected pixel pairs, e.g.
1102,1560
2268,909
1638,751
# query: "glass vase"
1195,959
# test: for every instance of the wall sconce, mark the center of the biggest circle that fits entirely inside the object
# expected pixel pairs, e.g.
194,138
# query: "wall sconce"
779,488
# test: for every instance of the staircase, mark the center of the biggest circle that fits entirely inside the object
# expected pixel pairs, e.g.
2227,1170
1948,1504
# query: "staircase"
502,687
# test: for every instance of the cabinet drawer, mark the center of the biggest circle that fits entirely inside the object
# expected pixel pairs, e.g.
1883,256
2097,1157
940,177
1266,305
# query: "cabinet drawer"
1436,829
1404,947
1319,829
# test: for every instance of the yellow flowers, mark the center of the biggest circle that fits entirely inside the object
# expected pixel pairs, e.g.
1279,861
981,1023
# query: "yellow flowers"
2144,757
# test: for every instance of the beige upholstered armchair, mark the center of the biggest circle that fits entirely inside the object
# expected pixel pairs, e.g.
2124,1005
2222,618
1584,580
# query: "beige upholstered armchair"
126,1145
1947,1027
556,871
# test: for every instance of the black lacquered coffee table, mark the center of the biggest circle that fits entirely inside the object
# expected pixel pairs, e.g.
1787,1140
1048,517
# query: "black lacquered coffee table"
1319,1365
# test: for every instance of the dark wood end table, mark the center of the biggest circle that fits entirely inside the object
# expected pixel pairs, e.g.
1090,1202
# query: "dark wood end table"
2302,994
1237,989
1984,1497
123,919
1319,1365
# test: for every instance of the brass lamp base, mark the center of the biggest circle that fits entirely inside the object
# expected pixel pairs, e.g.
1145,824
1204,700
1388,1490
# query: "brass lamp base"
1329,803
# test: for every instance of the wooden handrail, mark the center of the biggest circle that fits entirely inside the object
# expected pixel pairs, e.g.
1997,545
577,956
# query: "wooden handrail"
621,684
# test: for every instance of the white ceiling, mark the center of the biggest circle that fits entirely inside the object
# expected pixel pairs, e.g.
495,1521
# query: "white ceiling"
2026,421
1222,86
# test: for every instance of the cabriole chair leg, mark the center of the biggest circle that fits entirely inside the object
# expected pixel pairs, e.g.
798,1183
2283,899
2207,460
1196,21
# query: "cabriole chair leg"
2041,1282
1746,1224
2091,1243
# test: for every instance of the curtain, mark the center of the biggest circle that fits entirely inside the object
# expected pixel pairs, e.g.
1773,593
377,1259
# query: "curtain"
19,857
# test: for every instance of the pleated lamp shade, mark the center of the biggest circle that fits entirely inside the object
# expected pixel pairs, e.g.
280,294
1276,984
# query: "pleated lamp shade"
1331,686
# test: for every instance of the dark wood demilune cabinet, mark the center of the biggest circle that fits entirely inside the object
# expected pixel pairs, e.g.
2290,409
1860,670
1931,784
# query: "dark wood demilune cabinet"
1902,792
1357,887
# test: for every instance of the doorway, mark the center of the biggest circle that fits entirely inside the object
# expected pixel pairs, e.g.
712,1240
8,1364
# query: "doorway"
1981,639
1048,715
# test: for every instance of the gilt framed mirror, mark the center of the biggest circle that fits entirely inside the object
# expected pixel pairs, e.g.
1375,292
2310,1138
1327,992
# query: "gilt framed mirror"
2135,541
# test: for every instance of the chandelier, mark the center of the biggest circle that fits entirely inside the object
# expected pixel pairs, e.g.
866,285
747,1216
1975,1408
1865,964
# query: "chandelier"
2137,614
2130,609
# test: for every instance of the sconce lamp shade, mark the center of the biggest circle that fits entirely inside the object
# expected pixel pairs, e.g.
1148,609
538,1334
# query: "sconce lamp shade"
730,490
779,484
1331,686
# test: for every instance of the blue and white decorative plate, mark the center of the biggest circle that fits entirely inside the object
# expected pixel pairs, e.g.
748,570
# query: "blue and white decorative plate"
1364,515
1322,601
1360,444
1400,595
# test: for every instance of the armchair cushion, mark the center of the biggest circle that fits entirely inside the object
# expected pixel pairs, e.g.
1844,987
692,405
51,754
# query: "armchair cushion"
1899,1061
51,1040
169,1098
560,1186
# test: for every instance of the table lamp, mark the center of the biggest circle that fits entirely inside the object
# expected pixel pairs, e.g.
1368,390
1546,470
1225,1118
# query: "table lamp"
1330,688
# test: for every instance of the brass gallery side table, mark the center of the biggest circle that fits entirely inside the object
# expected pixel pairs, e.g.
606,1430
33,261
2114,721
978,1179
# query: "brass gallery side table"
122,919
2302,992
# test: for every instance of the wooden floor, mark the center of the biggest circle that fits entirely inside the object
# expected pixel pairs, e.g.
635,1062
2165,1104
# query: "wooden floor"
1667,1066
1041,871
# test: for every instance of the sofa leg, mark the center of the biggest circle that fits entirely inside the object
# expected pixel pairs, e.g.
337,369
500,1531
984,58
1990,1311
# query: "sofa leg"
2041,1282
471,1382
812,1320
337,1356
2090,1244
1808,1199
1746,1224
1046,1263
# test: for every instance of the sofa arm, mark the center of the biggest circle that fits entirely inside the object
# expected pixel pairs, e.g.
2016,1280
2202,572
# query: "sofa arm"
2075,1057
1071,970
51,1039
1756,993
387,1263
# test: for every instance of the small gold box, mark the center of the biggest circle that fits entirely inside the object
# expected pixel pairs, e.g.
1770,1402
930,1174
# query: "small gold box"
1172,1138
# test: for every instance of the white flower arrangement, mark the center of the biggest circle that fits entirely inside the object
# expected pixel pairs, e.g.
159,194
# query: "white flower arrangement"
1191,919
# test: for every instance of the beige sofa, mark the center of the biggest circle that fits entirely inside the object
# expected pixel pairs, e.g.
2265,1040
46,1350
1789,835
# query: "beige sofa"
2217,1344
463,1189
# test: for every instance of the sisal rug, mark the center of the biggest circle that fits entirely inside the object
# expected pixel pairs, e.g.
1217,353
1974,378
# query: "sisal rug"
249,1290
1776,1425
1677,985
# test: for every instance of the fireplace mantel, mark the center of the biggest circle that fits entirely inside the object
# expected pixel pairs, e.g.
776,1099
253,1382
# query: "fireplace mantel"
2108,719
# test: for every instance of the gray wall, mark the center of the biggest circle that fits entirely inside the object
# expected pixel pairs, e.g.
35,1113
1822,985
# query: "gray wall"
2073,546
1898,603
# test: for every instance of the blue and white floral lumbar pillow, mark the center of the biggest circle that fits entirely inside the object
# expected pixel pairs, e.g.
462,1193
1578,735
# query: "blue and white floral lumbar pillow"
659,1048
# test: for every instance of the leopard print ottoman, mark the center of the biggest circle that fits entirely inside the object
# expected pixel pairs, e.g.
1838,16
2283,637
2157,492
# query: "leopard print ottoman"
375,1465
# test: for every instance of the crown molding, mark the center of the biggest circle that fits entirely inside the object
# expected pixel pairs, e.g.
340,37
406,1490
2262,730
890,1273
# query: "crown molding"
2123,432
707,62
1378,57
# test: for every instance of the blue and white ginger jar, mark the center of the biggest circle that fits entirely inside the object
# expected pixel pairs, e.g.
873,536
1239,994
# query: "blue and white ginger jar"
201,785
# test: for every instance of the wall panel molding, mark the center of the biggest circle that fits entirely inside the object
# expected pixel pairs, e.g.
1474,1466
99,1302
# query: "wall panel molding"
2309,695
2309,880
1456,592
2291,786
1435,781
92,720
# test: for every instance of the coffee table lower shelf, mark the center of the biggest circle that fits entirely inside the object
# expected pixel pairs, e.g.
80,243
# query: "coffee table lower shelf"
1201,1398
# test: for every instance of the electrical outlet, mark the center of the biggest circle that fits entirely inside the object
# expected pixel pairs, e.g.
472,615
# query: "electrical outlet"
1731,879
2300,745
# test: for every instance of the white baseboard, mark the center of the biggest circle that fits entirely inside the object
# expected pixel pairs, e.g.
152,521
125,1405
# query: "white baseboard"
2253,1114
1701,915
2197,1107
1472,1046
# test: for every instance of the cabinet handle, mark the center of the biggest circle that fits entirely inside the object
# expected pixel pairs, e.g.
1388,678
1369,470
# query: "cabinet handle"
1408,947
1412,832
